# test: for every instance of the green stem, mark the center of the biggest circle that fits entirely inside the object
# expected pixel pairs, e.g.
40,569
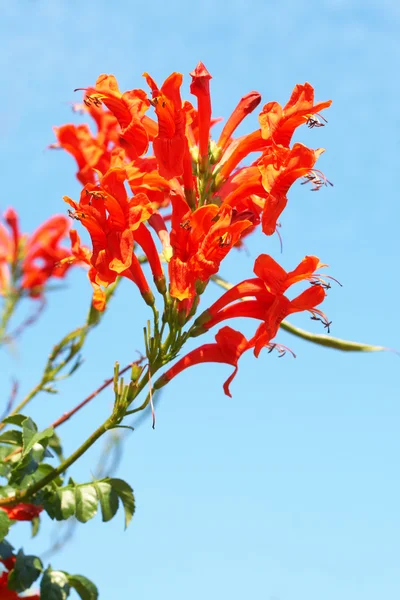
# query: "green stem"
9,307
330,342
22,496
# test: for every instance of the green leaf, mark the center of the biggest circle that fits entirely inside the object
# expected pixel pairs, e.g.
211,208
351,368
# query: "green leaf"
26,570
67,502
29,429
82,500
125,494
37,438
28,465
35,525
5,524
108,499
54,585
84,587
15,420
6,491
41,471
13,437
6,550
86,502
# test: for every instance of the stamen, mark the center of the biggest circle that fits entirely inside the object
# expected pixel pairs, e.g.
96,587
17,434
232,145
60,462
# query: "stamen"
186,225
317,179
78,216
314,121
282,350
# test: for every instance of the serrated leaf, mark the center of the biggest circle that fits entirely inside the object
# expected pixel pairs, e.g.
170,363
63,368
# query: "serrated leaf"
67,502
42,437
108,499
29,429
15,420
86,502
5,467
26,570
84,587
5,524
54,585
41,471
13,437
27,465
125,494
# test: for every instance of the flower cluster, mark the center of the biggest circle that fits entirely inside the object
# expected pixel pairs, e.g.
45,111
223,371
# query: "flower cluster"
195,198
28,262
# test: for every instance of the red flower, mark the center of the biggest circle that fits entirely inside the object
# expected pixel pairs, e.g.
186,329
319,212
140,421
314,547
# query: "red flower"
22,512
229,347
115,223
269,304
170,143
200,87
215,201
39,256
274,173
279,123
200,241
87,151
128,108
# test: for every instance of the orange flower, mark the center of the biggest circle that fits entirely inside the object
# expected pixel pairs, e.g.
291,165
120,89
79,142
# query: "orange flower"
200,87
279,123
87,151
128,108
269,304
37,257
215,201
170,143
229,347
200,241
274,173
115,223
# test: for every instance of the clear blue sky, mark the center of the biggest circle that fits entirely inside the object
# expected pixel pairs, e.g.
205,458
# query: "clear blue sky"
290,490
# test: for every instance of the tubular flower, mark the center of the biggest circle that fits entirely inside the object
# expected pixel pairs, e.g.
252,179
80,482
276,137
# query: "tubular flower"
229,347
33,259
169,144
128,108
279,123
200,87
198,185
263,298
88,152
275,172
200,241
114,223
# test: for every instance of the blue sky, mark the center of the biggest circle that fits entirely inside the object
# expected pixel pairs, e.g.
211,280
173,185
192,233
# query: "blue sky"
289,490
